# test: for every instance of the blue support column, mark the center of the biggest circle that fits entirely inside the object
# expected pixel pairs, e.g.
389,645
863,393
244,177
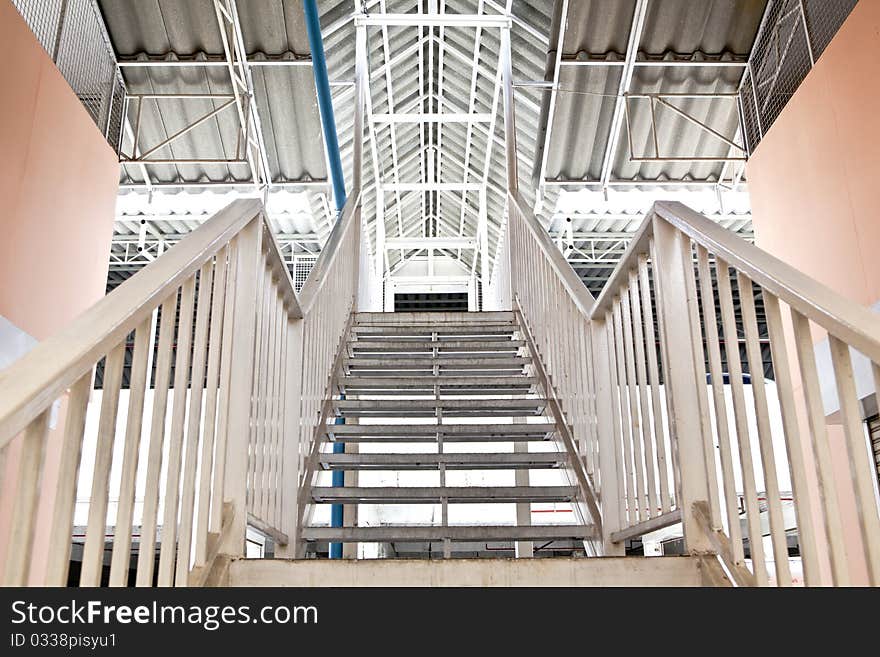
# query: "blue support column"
331,141
325,103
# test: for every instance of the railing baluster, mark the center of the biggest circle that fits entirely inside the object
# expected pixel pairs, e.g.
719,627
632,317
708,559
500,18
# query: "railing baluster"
215,520
664,364
744,444
686,378
120,560
209,440
194,425
93,551
21,536
765,434
146,552
821,449
710,322
699,356
277,469
859,464
793,443
58,562
632,393
638,336
269,406
256,397
625,421
653,374
178,415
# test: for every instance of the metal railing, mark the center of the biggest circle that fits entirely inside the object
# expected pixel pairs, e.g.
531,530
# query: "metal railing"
329,296
662,381
73,34
554,307
733,437
204,440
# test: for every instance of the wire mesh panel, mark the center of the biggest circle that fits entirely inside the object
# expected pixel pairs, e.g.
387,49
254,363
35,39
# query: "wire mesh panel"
73,34
302,265
42,16
792,37
824,18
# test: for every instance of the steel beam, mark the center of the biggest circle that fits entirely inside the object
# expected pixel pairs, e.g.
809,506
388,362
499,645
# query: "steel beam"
635,35
433,20
422,243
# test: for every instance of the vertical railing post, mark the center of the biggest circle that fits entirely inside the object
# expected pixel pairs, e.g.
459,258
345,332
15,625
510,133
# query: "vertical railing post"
509,112
291,444
685,374
241,385
609,467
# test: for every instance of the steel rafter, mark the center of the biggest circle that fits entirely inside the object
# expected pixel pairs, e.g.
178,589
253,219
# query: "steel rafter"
243,90
635,35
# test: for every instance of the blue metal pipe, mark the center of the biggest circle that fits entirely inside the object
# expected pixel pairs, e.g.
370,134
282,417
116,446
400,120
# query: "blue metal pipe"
325,103
336,510
331,141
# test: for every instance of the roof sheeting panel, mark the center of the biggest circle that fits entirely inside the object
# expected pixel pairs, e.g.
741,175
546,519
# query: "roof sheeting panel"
188,29
673,29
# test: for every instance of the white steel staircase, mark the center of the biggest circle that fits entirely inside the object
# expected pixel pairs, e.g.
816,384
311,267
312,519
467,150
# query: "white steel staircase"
440,384
619,396
234,383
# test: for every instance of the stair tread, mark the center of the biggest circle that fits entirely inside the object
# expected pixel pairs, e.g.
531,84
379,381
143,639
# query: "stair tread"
427,494
418,345
460,461
443,381
443,429
386,363
403,533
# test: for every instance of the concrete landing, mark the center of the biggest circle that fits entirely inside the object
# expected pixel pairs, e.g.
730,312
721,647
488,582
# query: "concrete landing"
603,571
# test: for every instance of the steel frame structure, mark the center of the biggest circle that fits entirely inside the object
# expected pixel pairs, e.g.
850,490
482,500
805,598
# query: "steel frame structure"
250,147
431,110
663,100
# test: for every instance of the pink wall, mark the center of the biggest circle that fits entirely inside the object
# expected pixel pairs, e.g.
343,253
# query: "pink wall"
814,179
814,182
58,184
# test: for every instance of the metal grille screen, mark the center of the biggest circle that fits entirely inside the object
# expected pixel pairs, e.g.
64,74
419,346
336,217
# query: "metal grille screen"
72,32
793,36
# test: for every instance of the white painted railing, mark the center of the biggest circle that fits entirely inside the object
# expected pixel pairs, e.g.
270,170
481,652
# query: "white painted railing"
240,370
703,286
555,307
328,298
670,363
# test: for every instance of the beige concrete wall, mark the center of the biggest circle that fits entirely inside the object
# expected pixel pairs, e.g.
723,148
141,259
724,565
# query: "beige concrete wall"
58,183
58,186
813,182
814,178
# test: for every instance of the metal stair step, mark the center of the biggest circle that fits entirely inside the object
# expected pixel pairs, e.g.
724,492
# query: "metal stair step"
495,329
434,494
455,356
428,407
444,361
437,317
444,381
378,338
428,345
416,433
461,461
387,534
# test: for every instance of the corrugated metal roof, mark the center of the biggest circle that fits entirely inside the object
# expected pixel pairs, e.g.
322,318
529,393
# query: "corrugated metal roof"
710,30
188,29
285,96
